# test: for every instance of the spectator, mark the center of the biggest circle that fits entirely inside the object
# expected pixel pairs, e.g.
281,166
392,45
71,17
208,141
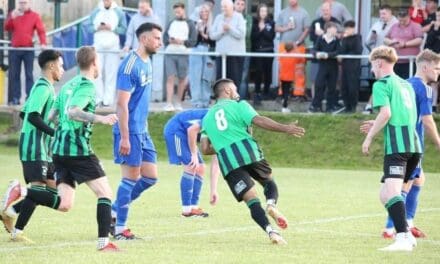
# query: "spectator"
293,26
263,33
351,44
229,32
243,89
145,14
431,9
202,68
381,28
286,75
317,30
196,13
179,35
417,12
325,50
406,37
108,21
338,11
21,23
433,43
377,35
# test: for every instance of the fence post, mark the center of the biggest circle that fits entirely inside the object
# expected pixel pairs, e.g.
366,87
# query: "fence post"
223,65
411,67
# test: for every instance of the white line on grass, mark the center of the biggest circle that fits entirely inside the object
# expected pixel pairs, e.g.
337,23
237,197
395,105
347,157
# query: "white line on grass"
228,230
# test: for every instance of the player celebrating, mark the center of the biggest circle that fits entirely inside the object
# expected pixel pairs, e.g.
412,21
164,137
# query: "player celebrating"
73,157
133,147
397,115
180,135
225,133
35,142
428,69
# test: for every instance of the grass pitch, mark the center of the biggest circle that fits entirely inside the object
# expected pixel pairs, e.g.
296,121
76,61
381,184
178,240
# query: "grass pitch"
335,217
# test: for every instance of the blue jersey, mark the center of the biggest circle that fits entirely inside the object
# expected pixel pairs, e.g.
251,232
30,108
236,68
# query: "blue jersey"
423,103
135,76
179,123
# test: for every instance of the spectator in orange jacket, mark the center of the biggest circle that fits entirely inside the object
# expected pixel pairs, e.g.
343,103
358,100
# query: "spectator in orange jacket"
287,74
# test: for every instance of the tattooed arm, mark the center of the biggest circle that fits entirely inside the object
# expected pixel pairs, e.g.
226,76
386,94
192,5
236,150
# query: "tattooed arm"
77,114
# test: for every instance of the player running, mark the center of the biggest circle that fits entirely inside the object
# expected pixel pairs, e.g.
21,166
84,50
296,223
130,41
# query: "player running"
34,144
133,148
181,133
225,133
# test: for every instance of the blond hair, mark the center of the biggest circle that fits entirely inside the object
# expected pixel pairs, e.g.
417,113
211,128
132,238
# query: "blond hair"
385,53
427,55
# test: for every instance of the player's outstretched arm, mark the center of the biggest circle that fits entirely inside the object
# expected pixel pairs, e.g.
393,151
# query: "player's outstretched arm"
215,172
431,129
380,121
206,146
269,124
77,114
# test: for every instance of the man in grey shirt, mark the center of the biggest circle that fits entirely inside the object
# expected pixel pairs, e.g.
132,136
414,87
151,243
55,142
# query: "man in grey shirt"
145,14
293,25
229,32
339,11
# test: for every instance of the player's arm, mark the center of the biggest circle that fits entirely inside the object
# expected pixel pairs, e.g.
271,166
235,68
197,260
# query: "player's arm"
77,114
192,132
206,146
379,123
431,129
35,119
122,112
53,116
271,125
215,172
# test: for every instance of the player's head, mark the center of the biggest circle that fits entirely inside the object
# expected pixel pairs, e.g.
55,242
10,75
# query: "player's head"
150,37
87,60
51,62
225,89
382,60
428,65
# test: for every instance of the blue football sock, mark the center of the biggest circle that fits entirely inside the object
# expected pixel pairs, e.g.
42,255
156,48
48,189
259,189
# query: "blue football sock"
141,185
412,199
198,182
186,188
123,200
389,223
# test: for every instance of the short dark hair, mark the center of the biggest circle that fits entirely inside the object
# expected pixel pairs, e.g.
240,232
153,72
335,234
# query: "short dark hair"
219,86
179,5
85,56
349,24
402,13
330,24
382,7
47,56
147,27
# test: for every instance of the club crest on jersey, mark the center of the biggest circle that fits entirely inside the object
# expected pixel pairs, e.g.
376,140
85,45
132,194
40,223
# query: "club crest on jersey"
396,170
145,78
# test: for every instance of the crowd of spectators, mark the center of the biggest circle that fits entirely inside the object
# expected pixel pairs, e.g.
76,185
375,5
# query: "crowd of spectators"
330,32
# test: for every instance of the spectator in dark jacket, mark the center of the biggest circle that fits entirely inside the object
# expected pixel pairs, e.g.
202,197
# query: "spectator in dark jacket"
351,44
262,35
326,49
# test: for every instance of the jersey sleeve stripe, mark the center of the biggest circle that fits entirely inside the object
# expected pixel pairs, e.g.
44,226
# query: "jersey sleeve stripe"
130,64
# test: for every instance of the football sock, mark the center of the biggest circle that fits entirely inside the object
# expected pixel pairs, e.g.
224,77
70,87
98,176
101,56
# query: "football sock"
271,191
412,199
17,207
27,209
102,242
142,185
103,216
198,182
258,213
123,200
52,190
186,190
389,224
41,196
396,210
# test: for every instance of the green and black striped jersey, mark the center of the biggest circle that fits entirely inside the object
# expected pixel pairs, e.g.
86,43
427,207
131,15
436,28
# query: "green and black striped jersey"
400,131
34,144
72,138
226,125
